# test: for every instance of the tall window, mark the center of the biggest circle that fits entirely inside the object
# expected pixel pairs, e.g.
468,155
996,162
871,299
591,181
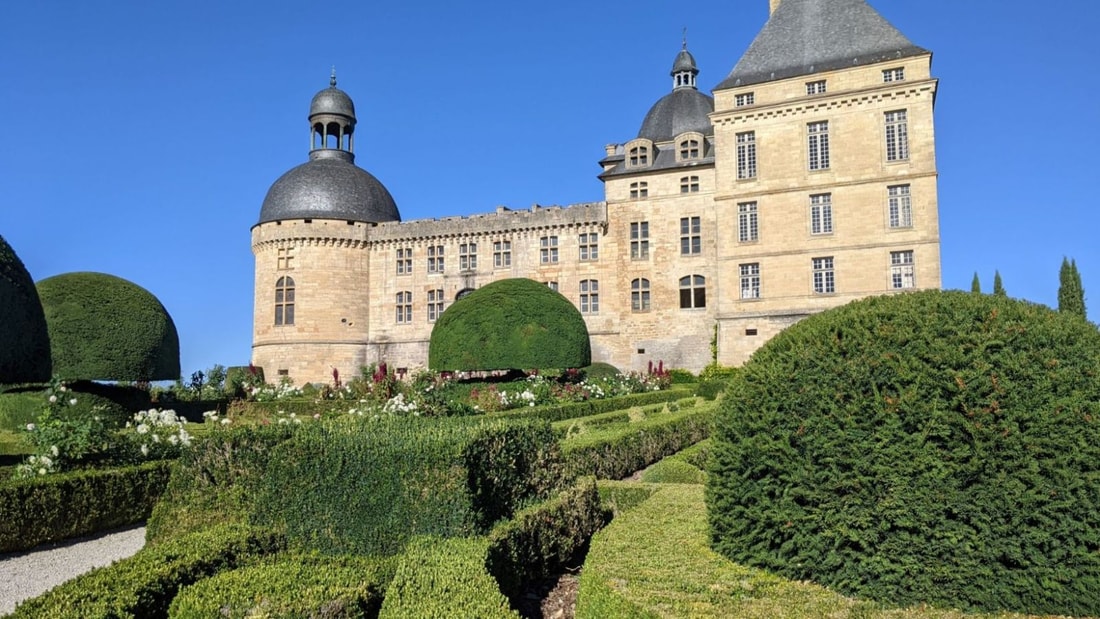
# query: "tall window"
639,156
548,249
818,134
815,88
744,99
748,225
284,259
639,240
689,184
750,281
404,307
435,259
824,278
897,136
746,155
502,254
590,246
639,190
893,75
689,149
435,304
902,270
639,295
467,256
693,292
284,301
821,214
899,206
691,242
404,261
590,296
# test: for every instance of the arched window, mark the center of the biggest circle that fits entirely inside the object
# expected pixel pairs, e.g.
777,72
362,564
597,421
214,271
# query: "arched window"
284,301
689,149
639,295
639,156
693,292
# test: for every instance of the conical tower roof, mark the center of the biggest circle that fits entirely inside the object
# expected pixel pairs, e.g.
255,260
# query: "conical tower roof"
803,37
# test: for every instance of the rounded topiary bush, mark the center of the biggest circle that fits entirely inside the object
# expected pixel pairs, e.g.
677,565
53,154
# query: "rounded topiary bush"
103,327
24,339
938,447
510,324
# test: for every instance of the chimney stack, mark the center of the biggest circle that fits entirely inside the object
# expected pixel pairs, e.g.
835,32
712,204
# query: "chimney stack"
773,4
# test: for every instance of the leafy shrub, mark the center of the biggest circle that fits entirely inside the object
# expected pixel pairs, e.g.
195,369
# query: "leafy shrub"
673,471
56,507
103,327
241,380
587,408
142,586
510,324
24,338
445,578
289,588
681,377
937,447
600,370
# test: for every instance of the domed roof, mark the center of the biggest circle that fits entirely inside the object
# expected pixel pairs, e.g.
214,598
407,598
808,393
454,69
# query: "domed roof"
682,110
332,100
684,62
329,187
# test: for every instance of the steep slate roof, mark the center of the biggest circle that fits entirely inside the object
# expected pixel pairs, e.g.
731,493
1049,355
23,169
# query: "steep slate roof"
808,36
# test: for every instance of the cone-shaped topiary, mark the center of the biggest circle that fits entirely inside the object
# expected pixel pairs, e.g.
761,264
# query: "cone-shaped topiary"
103,327
511,324
939,447
24,340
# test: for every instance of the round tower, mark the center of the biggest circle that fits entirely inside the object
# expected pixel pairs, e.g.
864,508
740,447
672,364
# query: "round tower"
311,299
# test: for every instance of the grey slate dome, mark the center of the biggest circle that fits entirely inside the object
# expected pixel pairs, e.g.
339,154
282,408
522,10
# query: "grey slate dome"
684,62
683,109
332,100
329,188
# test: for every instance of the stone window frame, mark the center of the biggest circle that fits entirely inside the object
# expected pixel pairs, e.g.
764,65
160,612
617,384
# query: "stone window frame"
690,146
824,275
743,99
640,300
746,155
903,270
552,285
693,292
689,184
435,304
502,254
284,301
404,260
896,74
284,258
435,258
817,145
467,256
590,296
588,244
691,235
816,87
403,304
548,249
748,222
896,133
639,190
750,281
640,153
639,240
821,214
899,206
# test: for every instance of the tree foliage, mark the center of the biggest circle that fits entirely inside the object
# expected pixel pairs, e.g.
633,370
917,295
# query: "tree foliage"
103,327
938,447
976,284
998,285
1071,294
511,324
24,339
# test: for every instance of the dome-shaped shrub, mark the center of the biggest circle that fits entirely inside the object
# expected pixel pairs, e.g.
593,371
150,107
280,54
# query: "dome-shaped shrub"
511,324
24,340
103,327
938,447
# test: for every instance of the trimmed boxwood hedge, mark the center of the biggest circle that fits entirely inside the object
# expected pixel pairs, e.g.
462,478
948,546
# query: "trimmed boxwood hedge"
103,327
510,324
56,507
24,338
938,447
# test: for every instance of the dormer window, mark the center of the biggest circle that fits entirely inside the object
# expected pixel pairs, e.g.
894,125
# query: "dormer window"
744,99
815,88
639,156
689,149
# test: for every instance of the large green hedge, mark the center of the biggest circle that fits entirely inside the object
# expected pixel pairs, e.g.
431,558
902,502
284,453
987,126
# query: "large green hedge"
510,324
937,447
105,328
24,340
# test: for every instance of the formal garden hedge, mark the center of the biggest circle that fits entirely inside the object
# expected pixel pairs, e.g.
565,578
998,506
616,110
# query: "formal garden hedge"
102,327
24,338
510,324
935,447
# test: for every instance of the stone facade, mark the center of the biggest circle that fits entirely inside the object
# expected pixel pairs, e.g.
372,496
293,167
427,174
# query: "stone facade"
701,247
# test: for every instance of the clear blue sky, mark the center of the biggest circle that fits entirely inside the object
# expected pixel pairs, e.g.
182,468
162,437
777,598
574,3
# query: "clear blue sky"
141,137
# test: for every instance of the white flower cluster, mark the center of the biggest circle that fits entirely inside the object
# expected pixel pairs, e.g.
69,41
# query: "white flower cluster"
157,426
283,391
37,465
284,418
515,400
212,417
398,405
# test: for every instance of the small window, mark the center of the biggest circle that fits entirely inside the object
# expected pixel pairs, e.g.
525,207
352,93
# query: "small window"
548,250
284,301
689,184
639,190
893,75
639,156
404,261
590,296
502,254
467,257
639,295
815,88
435,259
639,240
435,304
744,99
750,332
284,258
689,149
691,240
552,286
589,243
902,270
693,292
404,307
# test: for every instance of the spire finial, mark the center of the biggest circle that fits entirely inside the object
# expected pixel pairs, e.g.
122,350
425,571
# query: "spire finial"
332,79
685,38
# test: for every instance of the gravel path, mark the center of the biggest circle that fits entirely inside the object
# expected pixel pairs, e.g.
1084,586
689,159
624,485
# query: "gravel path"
25,575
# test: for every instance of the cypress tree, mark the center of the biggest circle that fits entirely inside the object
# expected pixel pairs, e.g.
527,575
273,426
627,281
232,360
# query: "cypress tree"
998,287
976,284
1071,295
